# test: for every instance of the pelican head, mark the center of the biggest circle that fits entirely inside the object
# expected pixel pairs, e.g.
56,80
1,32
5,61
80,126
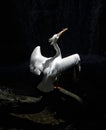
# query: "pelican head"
55,37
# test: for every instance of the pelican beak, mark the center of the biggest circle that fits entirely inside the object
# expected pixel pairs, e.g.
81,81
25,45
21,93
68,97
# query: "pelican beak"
61,32
56,36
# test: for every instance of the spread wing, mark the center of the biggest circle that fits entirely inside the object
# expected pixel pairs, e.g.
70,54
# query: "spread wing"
37,61
67,62
36,54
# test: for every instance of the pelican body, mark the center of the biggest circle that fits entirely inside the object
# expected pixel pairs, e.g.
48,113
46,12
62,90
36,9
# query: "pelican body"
51,67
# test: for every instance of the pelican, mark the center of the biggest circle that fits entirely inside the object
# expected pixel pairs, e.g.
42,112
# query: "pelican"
53,66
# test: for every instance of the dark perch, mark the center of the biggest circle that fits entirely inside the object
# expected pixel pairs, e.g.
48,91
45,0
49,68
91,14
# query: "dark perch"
11,102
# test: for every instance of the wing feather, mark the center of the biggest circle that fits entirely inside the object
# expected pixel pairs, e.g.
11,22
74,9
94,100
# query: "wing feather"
37,61
68,62
36,54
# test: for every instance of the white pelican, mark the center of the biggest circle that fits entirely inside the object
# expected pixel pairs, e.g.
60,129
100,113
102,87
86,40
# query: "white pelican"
53,66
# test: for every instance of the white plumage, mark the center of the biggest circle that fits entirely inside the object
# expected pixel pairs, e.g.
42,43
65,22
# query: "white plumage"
53,66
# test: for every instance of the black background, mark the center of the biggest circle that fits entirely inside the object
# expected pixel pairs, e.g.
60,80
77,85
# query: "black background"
24,24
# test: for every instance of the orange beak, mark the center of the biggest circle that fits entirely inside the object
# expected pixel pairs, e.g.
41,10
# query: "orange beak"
61,32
